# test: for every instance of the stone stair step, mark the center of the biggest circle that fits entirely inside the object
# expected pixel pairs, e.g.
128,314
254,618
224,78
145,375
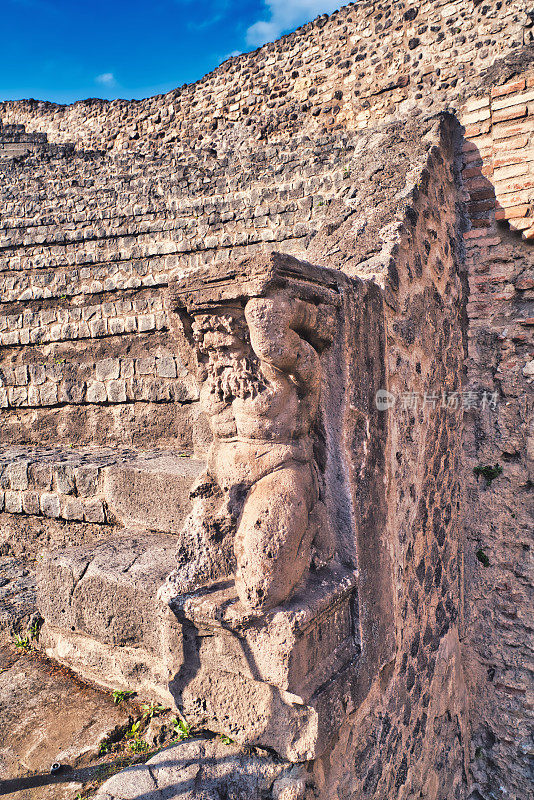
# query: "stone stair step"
151,493
227,771
18,603
102,615
146,489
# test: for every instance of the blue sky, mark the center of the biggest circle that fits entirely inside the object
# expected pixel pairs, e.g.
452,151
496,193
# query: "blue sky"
67,50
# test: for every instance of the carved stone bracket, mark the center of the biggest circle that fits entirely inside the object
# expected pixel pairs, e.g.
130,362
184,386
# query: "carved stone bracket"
258,335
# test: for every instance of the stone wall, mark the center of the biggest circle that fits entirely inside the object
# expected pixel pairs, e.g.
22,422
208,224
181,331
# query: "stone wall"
371,60
298,147
15,141
410,737
89,242
499,177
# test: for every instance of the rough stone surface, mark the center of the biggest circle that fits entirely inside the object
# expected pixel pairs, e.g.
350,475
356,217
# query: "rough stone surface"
279,680
102,616
18,597
48,716
200,769
498,433
148,489
151,493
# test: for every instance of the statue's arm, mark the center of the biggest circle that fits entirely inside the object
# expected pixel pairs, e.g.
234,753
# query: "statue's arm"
273,323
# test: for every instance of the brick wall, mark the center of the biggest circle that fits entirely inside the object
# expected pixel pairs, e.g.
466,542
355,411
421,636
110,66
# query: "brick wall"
499,177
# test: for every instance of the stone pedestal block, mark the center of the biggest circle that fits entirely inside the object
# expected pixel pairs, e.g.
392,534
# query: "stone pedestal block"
279,680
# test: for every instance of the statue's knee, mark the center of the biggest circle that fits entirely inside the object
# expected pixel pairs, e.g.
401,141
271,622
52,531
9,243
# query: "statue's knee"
272,550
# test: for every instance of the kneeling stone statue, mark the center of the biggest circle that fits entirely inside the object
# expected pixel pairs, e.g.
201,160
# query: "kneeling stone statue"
258,511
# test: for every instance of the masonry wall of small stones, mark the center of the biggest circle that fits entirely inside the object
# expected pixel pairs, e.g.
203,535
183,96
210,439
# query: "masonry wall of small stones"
410,738
371,60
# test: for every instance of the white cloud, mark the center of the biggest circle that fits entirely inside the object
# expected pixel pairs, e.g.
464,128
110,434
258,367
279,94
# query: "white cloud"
286,15
233,54
106,79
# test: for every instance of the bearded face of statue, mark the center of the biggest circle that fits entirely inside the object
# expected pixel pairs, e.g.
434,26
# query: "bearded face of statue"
227,362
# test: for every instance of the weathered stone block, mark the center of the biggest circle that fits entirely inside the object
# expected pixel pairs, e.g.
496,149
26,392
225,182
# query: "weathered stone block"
116,391
166,367
48,394
102,617
108,369
17,475
277,680
30,503
13,502
96,392
64,475
72,508
93,510
50,505
151,493
40,475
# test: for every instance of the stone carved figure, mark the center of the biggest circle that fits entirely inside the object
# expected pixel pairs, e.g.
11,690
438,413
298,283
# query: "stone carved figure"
260,370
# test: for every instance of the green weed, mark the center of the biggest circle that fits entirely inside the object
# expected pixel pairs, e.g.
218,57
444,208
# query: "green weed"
138,746
34,629
104,748
134,730
22,643
488,472
152,710
119,695
181,728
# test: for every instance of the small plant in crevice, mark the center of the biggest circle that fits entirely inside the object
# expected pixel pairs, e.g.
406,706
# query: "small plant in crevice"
226,739
138,746
152,710
119,695
134,730
181,728
482,557
104,748
22,643
34,628
488,472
